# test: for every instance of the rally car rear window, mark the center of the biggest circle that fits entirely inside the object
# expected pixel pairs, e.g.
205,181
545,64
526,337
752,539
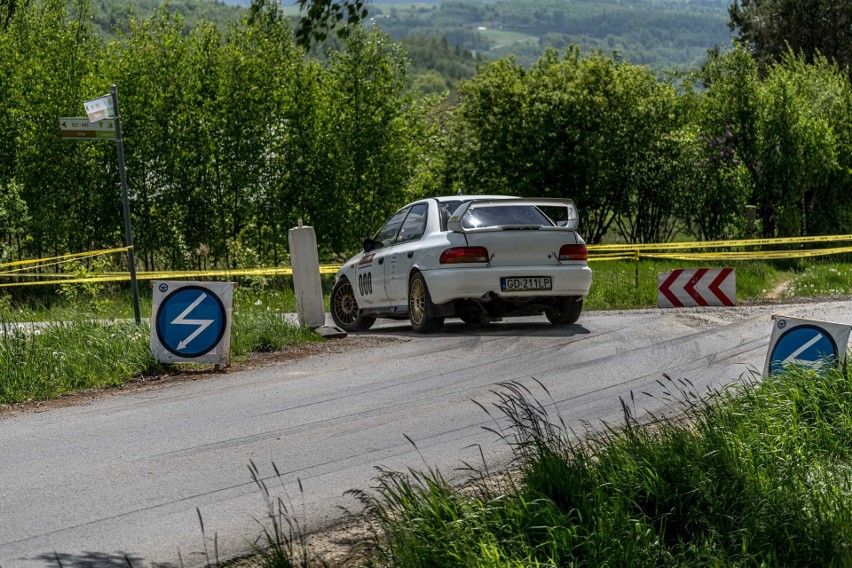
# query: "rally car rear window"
524,215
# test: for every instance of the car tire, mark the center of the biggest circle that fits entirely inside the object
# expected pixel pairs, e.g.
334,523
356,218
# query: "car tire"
565,311
420,307
345,310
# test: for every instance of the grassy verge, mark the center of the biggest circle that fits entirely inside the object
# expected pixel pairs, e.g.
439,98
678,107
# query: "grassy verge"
45,362
760,476
99,350
82,351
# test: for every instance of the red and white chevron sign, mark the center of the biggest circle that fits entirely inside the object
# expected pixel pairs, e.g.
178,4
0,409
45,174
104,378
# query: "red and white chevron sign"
697,287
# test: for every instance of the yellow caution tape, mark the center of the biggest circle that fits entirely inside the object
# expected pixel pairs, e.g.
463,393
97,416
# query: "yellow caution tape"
169,275
64,257
618,253
602,257
751,255
719,244
13,274
20,271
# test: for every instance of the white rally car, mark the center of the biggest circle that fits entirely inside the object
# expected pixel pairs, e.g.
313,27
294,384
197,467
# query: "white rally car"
477,258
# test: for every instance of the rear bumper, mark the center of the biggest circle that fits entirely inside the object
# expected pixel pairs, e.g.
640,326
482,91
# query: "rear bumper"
446,284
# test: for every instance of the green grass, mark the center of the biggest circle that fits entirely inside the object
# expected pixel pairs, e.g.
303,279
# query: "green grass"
260,326
823,279
81,350
44,362
760,475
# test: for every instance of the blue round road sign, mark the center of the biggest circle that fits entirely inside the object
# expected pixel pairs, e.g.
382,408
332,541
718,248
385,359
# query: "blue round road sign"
803,345
191,321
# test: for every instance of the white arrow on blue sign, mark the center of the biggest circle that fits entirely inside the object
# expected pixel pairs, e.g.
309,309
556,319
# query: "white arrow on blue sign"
191,322
805,343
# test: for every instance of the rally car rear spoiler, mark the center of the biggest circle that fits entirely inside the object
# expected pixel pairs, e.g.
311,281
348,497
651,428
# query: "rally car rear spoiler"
455,222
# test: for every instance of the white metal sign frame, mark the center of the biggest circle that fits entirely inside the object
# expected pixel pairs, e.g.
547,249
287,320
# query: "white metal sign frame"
191,322
803,342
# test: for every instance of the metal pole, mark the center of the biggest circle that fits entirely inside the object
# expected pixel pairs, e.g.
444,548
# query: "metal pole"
750,223
128,229
636,260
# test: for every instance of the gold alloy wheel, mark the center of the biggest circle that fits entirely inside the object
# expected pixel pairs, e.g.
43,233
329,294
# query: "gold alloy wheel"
345,307
417,301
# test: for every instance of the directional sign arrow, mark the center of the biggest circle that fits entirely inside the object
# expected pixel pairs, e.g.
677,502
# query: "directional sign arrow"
808,345
697,287
665,289
690,287
201,323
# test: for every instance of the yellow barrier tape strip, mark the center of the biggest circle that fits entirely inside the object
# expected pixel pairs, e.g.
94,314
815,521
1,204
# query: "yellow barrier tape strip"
751,255
75,281
20,271
167,275
35,275
64,257
333,268
598,258
612,255
164,275
720,244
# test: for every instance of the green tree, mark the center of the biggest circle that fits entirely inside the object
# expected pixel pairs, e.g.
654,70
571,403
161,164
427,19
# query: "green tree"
801,109
321,16
48,58
725,163
810,27
593,128
14,219
430,82
777,142
151,66
369,113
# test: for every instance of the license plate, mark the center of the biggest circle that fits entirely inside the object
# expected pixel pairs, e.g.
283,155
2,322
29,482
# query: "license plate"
525,283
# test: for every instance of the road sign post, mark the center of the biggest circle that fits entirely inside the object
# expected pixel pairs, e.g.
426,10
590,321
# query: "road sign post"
805,343
191,322
125,200
104,122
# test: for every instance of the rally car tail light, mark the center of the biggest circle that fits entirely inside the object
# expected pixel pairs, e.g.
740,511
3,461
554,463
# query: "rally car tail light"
573,252
462,255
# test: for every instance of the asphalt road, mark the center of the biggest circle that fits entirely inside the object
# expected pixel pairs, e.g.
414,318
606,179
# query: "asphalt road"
125,475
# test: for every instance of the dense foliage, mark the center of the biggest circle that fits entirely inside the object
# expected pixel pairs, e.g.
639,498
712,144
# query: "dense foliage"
232,134
813,27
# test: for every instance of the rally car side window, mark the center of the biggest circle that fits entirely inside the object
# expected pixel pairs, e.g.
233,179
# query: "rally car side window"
447,208
387,234
414,225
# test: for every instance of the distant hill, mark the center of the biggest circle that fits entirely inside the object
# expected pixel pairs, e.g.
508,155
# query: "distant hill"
446,39
662,34
112,15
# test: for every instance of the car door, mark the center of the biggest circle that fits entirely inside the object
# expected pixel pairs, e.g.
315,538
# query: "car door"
402,255
372,268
